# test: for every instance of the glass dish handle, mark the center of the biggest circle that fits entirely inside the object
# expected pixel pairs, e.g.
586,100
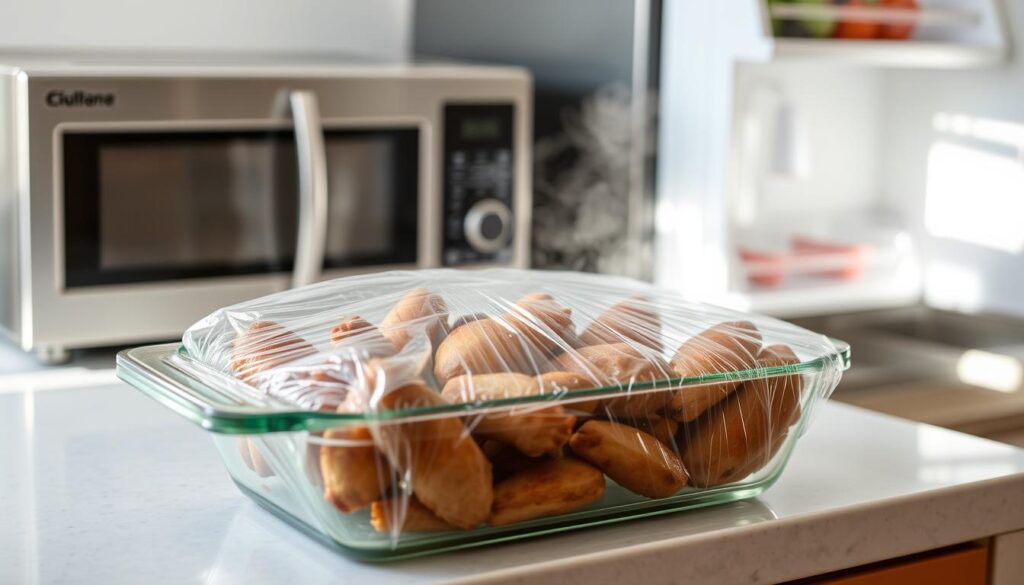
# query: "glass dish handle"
198,392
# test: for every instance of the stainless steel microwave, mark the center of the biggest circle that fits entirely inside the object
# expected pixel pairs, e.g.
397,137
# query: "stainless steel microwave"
136,197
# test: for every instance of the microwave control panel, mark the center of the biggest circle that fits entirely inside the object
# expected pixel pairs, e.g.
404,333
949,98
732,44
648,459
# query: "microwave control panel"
478,183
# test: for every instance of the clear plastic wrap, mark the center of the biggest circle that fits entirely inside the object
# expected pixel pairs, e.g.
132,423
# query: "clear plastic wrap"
409,412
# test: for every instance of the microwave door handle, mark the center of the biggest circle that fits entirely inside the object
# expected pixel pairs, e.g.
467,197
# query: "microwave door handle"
312,159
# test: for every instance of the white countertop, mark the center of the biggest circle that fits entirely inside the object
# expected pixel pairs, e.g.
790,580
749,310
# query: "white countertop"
102,485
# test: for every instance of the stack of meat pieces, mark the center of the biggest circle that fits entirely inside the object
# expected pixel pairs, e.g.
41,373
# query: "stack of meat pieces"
549,411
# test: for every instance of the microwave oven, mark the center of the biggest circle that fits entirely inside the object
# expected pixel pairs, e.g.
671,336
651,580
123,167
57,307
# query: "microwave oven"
138,196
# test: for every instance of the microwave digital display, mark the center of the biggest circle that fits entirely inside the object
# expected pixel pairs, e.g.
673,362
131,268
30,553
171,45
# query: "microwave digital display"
474,129
141,207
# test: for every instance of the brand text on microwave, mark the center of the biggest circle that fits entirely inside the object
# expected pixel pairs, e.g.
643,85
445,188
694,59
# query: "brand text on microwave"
78,99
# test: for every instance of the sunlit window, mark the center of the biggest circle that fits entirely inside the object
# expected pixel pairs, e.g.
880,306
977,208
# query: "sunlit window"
975,196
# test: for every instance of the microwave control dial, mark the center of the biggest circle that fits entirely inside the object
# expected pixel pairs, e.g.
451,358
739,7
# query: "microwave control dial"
488,226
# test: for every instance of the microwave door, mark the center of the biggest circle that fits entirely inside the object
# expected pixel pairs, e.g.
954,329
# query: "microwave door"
374,181
358,194
312,170
144,206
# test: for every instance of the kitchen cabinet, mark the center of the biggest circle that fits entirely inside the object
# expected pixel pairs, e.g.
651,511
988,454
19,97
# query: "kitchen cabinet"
962,565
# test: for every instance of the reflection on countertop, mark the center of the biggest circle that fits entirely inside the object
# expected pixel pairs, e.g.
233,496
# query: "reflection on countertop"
21,370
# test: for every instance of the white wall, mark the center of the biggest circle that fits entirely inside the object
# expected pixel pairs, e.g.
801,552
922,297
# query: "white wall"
701,42
840,111
713,59
972,262
377,27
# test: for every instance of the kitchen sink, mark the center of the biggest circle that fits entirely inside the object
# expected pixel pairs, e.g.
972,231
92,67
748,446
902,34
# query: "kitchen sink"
959,371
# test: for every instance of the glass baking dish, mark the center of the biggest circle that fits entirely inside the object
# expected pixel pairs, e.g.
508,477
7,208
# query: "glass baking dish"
276,447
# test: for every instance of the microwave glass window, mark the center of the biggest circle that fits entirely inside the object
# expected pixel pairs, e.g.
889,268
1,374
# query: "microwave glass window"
189,205
360,209
159,206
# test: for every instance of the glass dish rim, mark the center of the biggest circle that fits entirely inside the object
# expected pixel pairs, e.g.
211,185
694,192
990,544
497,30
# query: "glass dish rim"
160,382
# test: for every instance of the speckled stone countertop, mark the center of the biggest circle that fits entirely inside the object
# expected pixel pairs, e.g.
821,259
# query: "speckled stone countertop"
99,484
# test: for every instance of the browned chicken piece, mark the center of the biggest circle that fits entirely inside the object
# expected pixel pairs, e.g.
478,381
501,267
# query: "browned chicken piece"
415,517
489,387
534,430
468,318
521,340
445,468
632,458
544,322
349,327
620,364
263,346
326,385
356,330
351,403
663,429
742,434
726,347
485,346
784,411
561,382
252,457
548,488
363,343
631,321
786,394
418,310
533,433
354,472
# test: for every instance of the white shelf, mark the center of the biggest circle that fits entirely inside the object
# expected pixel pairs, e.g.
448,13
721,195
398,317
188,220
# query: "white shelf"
827,297
944,17
888,53
950,34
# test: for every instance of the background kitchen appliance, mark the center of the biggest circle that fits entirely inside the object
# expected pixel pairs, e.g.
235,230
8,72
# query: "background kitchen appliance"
138,195
596,73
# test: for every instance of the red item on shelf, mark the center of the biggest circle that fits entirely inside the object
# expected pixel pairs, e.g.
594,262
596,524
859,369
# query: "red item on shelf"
899,32
856,261
858,29
764,268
